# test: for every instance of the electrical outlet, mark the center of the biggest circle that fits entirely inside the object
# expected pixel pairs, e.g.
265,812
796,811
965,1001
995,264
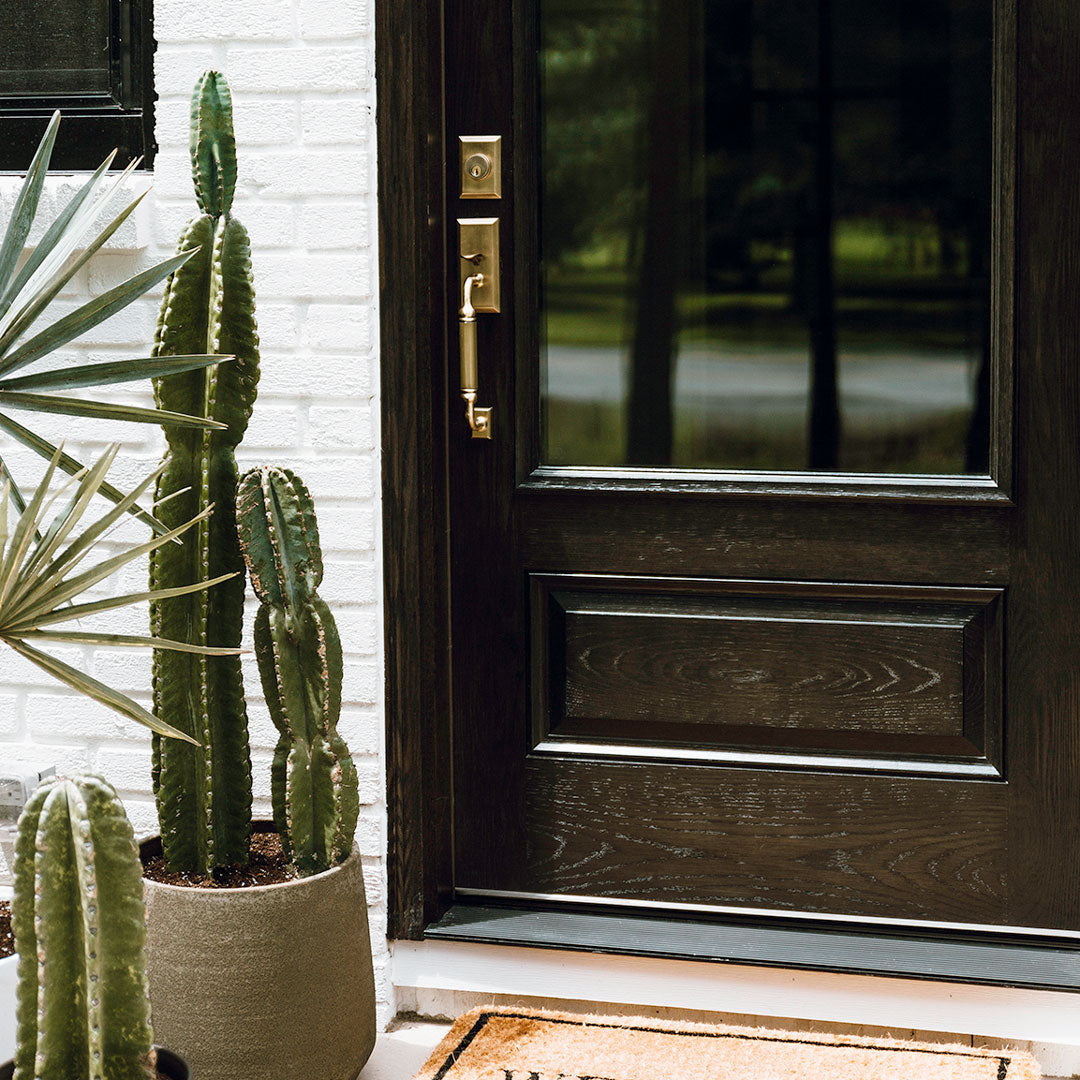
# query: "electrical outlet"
13,791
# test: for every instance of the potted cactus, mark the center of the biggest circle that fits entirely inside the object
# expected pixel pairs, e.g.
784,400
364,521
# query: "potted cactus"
216,956
238,975
211,989
83,1011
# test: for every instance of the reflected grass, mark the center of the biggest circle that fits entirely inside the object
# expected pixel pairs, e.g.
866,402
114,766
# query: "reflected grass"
594,433
580,310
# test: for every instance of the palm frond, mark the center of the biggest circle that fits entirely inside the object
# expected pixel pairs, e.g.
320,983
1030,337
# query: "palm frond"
138,641
28,335
45,449
52,270
96,689
38,585
22,216
110,373
60,224
134,414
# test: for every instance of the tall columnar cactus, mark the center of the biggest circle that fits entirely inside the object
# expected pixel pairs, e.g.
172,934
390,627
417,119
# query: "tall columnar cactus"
83,1010
314,784
204,792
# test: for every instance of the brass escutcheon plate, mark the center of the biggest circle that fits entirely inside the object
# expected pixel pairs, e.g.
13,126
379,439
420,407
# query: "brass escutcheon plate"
478,246
481,166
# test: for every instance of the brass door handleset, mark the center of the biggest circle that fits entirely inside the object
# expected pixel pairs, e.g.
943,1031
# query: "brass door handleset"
478,248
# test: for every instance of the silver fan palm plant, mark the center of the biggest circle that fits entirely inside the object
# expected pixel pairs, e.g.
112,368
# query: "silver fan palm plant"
28,288
44,579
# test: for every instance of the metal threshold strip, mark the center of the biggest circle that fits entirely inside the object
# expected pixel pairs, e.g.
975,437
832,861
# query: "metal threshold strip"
901,948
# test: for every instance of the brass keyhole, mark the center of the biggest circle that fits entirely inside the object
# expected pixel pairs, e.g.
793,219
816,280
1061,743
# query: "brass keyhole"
478,166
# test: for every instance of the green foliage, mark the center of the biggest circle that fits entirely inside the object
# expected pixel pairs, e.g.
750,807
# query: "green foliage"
204,792
26,294
83,1010
42,578
314,783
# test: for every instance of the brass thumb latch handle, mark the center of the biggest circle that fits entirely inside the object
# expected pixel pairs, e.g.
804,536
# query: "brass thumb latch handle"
479,419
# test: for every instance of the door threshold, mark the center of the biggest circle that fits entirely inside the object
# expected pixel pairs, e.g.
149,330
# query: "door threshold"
1009,960
444,977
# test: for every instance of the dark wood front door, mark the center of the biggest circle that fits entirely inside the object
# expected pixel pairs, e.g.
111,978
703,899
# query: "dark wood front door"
763,593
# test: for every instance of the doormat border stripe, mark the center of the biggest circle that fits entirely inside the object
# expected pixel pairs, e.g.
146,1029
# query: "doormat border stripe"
482,1015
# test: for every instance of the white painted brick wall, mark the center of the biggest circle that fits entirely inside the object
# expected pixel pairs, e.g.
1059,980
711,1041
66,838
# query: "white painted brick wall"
301,73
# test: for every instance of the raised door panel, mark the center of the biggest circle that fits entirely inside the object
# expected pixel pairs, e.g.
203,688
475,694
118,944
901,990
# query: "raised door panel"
729,669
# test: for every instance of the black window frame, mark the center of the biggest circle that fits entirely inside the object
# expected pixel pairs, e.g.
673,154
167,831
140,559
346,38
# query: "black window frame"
93,124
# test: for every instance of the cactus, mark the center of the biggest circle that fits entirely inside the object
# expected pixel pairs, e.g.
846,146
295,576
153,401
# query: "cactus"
313,779
204,792
82,1010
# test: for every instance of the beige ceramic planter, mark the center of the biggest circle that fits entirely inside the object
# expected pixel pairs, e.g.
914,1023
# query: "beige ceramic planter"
268,983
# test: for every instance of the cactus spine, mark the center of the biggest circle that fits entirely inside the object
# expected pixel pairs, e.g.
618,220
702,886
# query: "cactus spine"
204,792
313,779
83,1009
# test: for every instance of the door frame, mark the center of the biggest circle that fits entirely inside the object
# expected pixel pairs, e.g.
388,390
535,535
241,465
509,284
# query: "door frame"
415,520
414,316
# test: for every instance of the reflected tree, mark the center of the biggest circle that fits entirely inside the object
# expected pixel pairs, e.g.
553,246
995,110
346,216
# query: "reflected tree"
823,435
664,230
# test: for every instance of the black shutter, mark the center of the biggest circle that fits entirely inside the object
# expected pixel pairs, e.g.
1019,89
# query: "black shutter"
92,60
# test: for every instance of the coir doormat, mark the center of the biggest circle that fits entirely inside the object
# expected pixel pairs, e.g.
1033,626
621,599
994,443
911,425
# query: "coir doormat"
526,1044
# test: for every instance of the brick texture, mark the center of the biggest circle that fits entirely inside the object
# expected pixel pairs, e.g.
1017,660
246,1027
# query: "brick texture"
302,75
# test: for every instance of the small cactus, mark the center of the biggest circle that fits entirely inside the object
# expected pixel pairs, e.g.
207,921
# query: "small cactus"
313,779
204,791
83,1009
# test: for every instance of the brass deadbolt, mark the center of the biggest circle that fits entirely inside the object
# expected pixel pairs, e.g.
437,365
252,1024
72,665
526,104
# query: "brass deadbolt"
481,166
478,166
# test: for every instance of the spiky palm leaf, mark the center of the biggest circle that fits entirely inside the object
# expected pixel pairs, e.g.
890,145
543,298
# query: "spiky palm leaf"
26,293
40,589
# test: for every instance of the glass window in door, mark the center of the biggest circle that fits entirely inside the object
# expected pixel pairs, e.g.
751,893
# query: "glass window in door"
765,234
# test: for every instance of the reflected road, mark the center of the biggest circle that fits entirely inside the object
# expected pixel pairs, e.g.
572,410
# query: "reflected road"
874,384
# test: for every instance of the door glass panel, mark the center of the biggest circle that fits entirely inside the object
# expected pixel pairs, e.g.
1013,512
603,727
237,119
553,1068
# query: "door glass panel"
765,234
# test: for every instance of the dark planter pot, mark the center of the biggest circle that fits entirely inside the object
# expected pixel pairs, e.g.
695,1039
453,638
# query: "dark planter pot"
271,982
170,1067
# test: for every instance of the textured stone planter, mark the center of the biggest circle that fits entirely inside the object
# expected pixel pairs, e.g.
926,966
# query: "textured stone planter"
268,983
8,966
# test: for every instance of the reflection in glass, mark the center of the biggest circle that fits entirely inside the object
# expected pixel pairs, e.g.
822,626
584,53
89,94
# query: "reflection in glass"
765,233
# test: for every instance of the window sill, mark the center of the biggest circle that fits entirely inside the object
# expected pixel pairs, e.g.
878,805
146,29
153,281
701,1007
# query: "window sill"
132,236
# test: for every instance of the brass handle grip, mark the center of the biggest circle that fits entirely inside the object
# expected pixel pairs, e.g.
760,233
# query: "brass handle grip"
479,419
